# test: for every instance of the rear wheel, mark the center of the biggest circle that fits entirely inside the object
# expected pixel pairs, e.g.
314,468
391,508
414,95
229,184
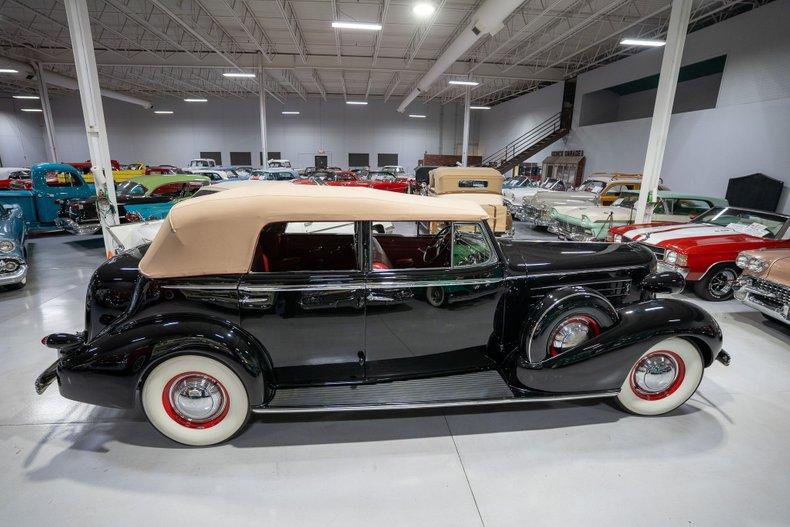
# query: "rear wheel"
718,283
663,378
195,400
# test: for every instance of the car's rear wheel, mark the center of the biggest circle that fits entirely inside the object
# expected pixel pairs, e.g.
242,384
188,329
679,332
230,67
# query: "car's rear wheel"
195,400
663,378
718,284
435,296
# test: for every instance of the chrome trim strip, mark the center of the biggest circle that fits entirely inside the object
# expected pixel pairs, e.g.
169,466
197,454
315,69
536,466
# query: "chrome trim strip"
203,287
427,404
580,271
338,287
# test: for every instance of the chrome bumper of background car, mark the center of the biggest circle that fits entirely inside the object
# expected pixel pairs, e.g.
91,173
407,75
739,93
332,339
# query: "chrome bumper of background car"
71,226
14,277
567,231
535,216
766,297
663,267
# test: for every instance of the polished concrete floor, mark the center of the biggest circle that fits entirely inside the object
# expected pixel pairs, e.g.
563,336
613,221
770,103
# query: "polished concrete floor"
722,459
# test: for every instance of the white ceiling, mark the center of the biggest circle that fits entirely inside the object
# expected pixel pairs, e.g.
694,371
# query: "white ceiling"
175,48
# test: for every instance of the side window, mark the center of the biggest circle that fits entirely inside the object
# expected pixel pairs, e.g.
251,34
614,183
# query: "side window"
691,206
427,245
168,190
61,179
306,246
661,208
615,190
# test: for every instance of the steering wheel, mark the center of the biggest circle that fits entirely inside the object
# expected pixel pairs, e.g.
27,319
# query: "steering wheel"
437,245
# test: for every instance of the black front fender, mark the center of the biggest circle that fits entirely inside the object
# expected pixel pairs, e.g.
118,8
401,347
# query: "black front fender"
603,362
109,370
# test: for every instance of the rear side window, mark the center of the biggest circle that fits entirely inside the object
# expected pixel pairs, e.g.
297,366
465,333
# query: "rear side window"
307,246
473,183
61,179
691,206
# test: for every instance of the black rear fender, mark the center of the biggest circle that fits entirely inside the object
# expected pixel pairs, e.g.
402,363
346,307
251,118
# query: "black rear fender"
603,362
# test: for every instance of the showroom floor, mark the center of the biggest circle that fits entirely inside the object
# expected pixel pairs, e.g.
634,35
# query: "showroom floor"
722,459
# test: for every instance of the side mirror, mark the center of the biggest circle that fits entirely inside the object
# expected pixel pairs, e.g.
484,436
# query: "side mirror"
668,282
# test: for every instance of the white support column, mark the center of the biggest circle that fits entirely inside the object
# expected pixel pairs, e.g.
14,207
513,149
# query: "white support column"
49,123
93,114
662,112
465,144
262,105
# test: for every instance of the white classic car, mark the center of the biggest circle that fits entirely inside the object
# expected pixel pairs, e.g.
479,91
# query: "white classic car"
517,189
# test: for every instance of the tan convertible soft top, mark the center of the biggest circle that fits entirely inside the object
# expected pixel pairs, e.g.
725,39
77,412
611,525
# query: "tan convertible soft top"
445,180
217,234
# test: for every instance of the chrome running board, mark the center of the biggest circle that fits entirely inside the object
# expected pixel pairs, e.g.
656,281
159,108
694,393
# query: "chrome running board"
480,388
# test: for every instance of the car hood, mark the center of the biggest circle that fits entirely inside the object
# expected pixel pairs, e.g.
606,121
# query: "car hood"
559,257
778,269
701,237
555,197
515,194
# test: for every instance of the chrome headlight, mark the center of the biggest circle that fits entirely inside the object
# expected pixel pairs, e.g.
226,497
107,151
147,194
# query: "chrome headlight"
670,257
9,266
742,261
585,219
618,238
6,246
757,265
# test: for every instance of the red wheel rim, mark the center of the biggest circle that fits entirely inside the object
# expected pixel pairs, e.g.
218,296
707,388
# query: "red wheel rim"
214,419
593,330
680,375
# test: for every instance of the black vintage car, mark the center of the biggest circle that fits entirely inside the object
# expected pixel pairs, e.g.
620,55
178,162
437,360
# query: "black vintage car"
282,298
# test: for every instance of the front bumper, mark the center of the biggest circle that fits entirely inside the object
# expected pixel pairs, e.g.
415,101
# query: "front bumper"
568,231
666,267
535,216
71,226
47,377
766,297
14,277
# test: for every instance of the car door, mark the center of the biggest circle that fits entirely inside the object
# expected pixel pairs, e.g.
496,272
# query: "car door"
57,185
430,311
303,301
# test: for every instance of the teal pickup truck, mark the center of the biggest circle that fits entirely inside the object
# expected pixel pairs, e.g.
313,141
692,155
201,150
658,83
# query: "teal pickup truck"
52,184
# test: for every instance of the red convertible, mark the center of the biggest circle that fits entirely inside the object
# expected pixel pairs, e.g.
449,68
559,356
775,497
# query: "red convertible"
345,178
704,251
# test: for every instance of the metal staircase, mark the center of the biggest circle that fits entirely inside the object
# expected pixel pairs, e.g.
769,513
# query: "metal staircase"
530,143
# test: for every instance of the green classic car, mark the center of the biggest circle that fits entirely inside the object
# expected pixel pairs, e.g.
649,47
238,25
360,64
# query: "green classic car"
587,223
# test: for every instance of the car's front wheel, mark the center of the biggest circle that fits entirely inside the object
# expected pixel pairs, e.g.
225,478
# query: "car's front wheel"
663,378
718,284
195,400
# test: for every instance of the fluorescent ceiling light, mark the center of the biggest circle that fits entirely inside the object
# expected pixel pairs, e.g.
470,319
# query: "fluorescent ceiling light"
32,110
464,83
289,112
195,99
361,103
479,107
423,9
8,70
356,25
28,97
238,74
416,116
163,112
642,42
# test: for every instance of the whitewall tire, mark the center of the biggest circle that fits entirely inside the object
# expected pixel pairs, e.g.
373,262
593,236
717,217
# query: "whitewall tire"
663,378
195,400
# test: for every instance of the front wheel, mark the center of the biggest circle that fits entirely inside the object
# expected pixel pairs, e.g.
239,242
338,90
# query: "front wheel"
718,284
663,378
195,400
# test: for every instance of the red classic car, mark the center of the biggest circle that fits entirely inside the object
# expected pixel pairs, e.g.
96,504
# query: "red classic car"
85,166
704,251
346,178
15,178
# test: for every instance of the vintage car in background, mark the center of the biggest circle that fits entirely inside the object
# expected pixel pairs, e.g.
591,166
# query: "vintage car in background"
141,198
214,174
273,174
396,170
383,180
15,178
161,170
346,178
199,163
479,185
422,176
51,184
514,194
602,189
119,172
13,254
705,250
226,313
593,223
278,163
764,283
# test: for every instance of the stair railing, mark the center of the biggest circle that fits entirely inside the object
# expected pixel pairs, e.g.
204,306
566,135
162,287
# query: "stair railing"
524,141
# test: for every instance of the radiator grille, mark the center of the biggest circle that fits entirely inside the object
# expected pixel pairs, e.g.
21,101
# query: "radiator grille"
781,292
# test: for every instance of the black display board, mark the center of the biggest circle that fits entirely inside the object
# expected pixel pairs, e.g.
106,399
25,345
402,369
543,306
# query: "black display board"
755,191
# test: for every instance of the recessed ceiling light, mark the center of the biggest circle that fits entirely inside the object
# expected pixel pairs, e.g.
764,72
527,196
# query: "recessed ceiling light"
423,9
238,74
479,107
464,83
416,116
642,42
8,70
195,99
27,97
289,112
356,25
31,109
361,103
163,112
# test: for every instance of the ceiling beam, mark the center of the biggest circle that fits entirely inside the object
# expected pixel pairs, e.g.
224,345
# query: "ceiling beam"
380,34
338,44
249,23
420,34
292,24
319,84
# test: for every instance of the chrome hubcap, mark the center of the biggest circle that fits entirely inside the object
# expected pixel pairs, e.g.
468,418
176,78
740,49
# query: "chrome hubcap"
571,334
722,282
197,398
656,373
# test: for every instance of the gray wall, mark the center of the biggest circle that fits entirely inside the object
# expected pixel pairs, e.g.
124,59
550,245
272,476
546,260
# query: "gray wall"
232,125
747,131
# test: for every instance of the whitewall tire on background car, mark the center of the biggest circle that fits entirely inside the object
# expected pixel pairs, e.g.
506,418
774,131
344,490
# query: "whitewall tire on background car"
195,400
663,378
